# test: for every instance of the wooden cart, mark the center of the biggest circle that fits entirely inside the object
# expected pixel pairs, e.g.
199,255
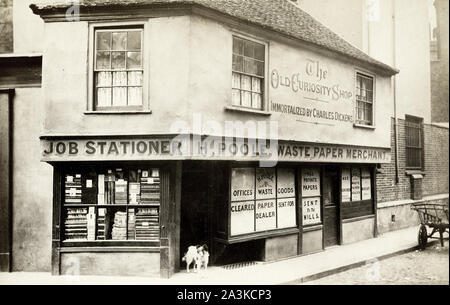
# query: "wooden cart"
434,216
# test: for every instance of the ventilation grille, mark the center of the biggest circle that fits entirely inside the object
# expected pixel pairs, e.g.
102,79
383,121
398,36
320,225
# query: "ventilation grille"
240,265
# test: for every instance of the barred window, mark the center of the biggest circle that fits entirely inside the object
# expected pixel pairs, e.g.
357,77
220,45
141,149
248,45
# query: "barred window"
248,73
364,99
118,69
414,142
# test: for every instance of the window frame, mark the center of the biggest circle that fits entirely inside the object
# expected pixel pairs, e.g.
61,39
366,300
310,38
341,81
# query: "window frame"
410,119
356,122
118,26
265,82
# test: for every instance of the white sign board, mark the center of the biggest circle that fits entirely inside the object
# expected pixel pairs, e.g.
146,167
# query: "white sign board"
266,215
356,184
242,184
242,217
366,188
311,211
310,182
265,183
346,185
286,208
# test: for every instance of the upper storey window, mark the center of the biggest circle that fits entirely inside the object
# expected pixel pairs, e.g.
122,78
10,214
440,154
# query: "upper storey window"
364,99
118,69
248,73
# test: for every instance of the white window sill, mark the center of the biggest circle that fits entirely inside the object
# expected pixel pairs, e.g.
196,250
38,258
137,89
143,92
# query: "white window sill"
118,112
248,110
371,127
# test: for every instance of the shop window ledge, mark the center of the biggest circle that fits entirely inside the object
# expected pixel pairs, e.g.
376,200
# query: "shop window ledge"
108,249
354,219
260,235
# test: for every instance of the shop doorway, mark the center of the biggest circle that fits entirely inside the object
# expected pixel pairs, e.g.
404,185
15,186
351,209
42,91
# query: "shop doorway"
195,224
331,206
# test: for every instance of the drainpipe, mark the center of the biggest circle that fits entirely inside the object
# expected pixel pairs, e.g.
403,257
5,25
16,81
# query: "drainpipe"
394,58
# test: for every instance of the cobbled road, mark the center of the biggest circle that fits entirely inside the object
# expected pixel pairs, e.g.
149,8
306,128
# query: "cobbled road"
428,267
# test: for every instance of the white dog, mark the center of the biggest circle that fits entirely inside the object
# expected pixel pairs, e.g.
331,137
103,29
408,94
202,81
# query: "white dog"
203,257
198,255
190,257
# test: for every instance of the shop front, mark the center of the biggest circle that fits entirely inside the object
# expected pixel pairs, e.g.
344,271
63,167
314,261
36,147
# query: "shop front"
133,205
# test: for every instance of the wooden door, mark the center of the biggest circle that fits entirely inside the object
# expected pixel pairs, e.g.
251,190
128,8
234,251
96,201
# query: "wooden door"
331,206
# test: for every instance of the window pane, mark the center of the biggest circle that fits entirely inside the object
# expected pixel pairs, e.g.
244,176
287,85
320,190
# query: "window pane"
256,101
118,60
134,78
250,66
236,82
120,78
134,60
134,41
259,52
103,79
134,96
104,97
103,41
246,82
238,46
369,95
236,97
103,60
249,49
260,69
246,99
119,41
120,96
360,113
238,63
256,84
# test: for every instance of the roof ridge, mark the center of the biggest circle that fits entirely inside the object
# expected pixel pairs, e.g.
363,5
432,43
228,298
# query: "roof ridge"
276,15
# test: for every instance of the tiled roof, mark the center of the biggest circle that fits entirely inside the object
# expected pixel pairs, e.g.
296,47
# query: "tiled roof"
277,15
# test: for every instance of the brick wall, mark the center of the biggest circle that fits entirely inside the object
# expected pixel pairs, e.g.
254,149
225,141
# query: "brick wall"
6,26
436,178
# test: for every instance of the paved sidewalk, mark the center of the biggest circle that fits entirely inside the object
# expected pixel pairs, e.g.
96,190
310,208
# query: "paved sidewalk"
296,269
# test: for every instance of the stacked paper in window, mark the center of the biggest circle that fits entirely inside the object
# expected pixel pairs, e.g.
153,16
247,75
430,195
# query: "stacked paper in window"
119,230
134,192
73,189
89,188
76,224
109,187
147,224
121,191
91,221
150,187
102,224
131,224
101,196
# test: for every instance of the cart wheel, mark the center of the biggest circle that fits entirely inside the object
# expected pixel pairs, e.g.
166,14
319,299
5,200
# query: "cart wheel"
422,237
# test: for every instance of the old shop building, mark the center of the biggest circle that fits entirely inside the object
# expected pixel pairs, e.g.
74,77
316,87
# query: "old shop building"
126,200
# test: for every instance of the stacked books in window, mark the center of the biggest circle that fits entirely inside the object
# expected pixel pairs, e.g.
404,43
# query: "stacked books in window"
91,222
76,224
73,189
109,187
121,191
134,193
147,224
131,233
102,224
119,230
150,187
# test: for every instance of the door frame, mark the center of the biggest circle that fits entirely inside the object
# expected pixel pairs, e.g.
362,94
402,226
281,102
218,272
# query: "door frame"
338,203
